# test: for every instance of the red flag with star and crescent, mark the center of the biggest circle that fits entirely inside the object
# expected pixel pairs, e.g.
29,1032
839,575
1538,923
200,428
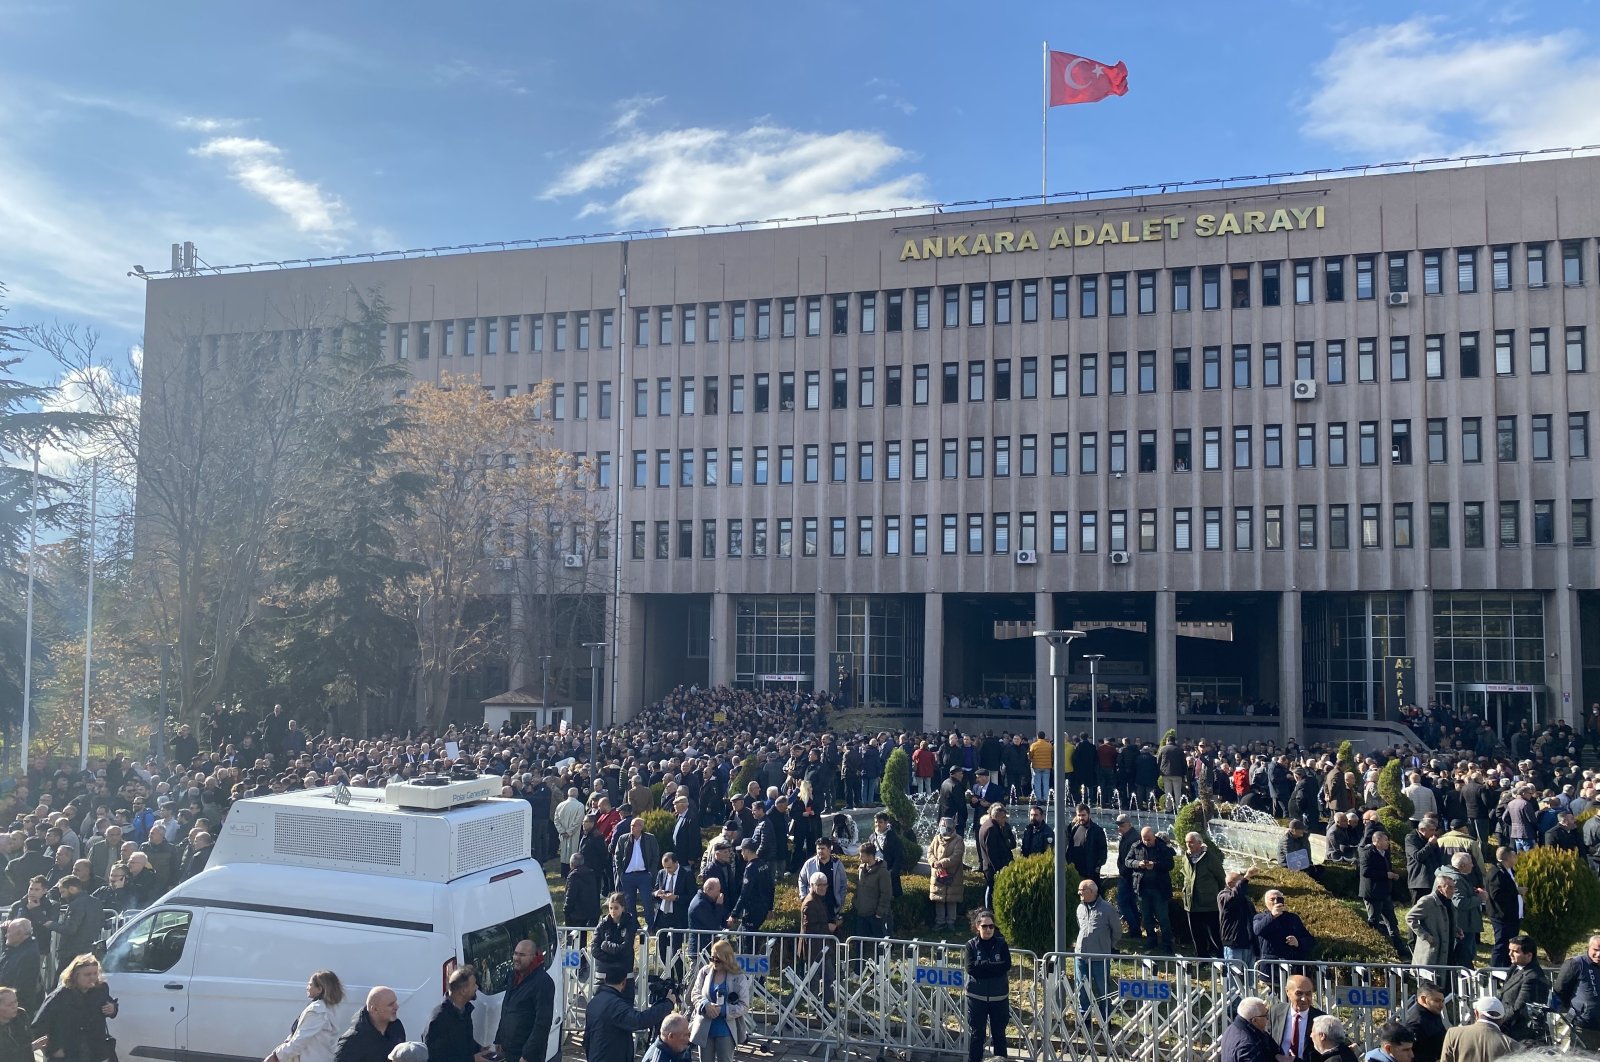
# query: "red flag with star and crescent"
1074,79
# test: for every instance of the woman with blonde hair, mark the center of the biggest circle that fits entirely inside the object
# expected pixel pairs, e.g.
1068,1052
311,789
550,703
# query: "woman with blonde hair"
315,1033
720,999
73,1018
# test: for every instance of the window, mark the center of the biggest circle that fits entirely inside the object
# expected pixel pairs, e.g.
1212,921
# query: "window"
786,318
1510,524
1147,530
977,295
1147,292
839,456
641,468
664,325
685,468
975,376
764,319
974,532
863,536
1365,289
1147,372
1472,525
1058,298
1505,438
1180,290
708,538
808,536
1029,456
1181,450
1243,528
608,329
1271,284
891,536
1468,342
1572,262
952,307
1030,378
1088,375
1537,277
1002,302
1400,442
1058,532
1030,301
1467,270
1438,443
841,315
891,460
836,532
897,311
1305,446
1302,282
786,464
839,393
951,389
1211,449
1338,451
469,338
1582,523
1028,530
663,397
1117,373
949,458
1117,288
922,311
1541,445
810,462
1181,540
1339,526
685,396
1211,287
1000,541
423,332
866,388
1118,464
1577,359
1367,360
1241,447
1371,532
714,332
1504,356
1211,368
1335,355
975,458
1433,357
580,400
869,314
1088,453
1333,279
1399,274
1241,366
919,459
1147,451
1471,439
1399,357
763,393
1438,525
1058,453
1577,435
1088,532
636,540
1088,296
1180,369
708,459
513,335
1367,436
814,315
1544,523
1211,528
1500,268
919,536
736,466
690,323
1306,530
155,943
604,403
1272,365
1002,456
686,539
760,472
813,391
786,390
1538,350
447,345
1272,446
892,385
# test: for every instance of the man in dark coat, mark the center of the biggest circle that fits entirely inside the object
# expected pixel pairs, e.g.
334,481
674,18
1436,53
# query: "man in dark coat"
1504,905
1086,845
757,890
1280,934
1151,861
1246,1038
375,1032
1424,857
1424,1019
1376,889
19,964
528,1010
448,1037
1526,983
78,923
953,797
996,842
582,904
610,1021
687,843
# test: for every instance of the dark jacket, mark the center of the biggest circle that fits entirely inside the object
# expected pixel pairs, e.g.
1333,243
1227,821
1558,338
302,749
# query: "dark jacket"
1501,888
995,845
1169,758
622,852
1090,856
449,1034
77,927
19,968
1243,1042
73,1021
1125,843
1238,916
706,915
16,1039
610,1021
1271,933
687,843
581,906
1158,878
1429,1030
1203,880
1423,858
1576,992
1523,985
612,944
1037,837
756,894
1375,869
988,967
526,1015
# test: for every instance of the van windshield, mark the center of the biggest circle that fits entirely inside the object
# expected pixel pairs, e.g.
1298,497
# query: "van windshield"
488,950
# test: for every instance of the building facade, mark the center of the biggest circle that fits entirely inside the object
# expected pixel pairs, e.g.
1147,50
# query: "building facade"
1271,447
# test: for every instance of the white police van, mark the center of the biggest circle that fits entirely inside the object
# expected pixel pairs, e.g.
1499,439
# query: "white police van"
384,888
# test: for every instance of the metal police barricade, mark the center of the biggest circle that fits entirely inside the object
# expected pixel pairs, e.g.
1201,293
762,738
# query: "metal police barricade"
579,977
1127,1007
796,991
1365,995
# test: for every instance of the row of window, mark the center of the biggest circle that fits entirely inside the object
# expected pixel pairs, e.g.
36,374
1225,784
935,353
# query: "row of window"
976,305
984,380
1212,528
1237,447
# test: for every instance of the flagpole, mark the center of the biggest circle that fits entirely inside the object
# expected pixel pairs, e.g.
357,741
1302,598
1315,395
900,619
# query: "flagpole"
27,640
1044,110
88,628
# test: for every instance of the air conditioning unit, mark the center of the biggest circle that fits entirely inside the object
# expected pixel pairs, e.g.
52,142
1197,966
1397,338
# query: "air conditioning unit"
1305,390
1120,556
504,564
572,560
1399,298
1027,556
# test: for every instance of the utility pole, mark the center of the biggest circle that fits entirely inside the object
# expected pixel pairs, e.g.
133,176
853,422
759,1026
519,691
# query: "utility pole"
1059,642
596,657
1094,701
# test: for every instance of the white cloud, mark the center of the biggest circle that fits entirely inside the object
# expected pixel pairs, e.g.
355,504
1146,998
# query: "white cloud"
630,110
459,71
701,176
207,125
1413,89
255,165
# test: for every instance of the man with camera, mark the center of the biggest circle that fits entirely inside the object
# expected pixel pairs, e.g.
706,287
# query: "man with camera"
610,1020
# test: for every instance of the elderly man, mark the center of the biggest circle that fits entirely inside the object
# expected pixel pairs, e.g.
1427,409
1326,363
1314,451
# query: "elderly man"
1503,901
19,963
1482,1041
1433,924
1151,861
1099,933
1281,936
1467,899
569,828
672,1044
635,856
1246,1038
1289,1022
375,1032
1575,994
1203,879
1376,886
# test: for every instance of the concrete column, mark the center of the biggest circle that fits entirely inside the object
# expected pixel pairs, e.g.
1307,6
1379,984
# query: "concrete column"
722,639
932,660
1419,643
1164,630
1291,712
628,636
821,676
1564,671
517,657
1044,619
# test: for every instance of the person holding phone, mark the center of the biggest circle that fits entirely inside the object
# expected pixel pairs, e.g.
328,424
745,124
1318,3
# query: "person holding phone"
719,999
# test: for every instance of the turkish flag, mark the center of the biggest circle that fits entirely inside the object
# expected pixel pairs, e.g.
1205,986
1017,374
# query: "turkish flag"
1074,79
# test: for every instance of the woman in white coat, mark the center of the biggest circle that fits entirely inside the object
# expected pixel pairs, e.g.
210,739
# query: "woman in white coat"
315,1032
720,999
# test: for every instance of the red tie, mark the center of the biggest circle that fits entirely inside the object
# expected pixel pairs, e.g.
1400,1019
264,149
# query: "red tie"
1294,1038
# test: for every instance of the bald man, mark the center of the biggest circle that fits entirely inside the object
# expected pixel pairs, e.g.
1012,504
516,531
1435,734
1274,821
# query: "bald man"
672,1045
375,1032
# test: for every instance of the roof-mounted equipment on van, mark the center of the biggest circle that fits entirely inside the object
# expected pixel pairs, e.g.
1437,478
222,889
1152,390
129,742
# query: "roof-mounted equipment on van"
433,793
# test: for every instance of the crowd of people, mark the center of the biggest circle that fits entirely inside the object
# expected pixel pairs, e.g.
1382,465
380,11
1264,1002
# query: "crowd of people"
85,847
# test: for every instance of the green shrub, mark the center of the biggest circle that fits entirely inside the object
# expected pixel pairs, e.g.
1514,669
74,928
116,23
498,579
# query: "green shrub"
656,791
1193,817
1563,899
1390,784
743,776
910,909
1170,737
1588,813
1347,757
892,791
660,823
1024,902
1342,934
1395,825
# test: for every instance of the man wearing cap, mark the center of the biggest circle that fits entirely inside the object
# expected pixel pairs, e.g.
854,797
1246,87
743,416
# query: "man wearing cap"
953,798
1482,1041
1294,849
756,891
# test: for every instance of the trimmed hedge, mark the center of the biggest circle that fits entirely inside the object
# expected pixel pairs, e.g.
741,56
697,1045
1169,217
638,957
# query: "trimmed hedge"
743,776
910,908
1395,825
661,823
1342,934
892,791
1024,902
1563,899
1390,789
1347,757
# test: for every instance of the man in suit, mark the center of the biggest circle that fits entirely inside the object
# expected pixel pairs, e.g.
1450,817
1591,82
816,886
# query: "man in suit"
1376,889
675,887
986,792
1482,1041
687,843
635,855
1245,1039
1433,924
1289,1022
1526,983
1424,857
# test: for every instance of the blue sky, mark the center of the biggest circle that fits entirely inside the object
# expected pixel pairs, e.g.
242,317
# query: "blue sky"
289,130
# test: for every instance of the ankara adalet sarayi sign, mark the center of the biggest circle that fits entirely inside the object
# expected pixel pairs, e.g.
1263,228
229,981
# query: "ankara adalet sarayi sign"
1142,230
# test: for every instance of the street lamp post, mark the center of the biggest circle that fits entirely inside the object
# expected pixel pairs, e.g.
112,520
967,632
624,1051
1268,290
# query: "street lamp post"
544,685
595,658
1059,642
1094,701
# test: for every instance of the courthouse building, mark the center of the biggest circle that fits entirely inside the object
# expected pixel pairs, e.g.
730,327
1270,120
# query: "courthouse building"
1270,446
